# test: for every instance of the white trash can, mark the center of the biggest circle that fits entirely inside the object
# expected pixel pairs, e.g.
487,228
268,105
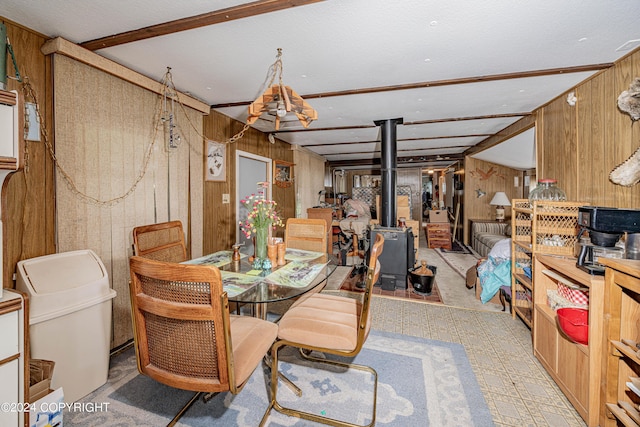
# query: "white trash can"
69,317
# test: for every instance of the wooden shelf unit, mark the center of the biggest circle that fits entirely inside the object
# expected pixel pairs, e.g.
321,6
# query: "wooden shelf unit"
546,227
621,331
521,285
576,368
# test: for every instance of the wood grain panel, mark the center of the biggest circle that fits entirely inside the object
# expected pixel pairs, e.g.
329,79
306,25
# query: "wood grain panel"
219,220
558,144
309,178
591,134
501,180
28,205
102,146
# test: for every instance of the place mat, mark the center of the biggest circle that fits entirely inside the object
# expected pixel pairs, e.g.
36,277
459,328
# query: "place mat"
237,283
217,259
296,274
301,255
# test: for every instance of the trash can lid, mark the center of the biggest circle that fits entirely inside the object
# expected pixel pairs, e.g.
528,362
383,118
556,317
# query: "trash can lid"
61,271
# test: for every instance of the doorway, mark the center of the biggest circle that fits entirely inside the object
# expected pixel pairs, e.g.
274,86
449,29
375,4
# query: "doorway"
250,170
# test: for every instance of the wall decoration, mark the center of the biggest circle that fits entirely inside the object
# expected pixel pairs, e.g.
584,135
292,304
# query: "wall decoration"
216,167
628,173
283,174
629,100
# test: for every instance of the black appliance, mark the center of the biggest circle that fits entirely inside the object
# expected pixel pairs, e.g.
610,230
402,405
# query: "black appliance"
605,226
397,256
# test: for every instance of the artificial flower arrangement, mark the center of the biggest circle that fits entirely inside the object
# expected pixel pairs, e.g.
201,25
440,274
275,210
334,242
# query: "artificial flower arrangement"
262,214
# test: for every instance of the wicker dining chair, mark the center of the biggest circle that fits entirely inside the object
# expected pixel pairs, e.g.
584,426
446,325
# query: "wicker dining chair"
163,241
327,324
184,335
309,234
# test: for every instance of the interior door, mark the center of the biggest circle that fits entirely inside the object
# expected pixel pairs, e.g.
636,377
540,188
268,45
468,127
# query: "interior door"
250,170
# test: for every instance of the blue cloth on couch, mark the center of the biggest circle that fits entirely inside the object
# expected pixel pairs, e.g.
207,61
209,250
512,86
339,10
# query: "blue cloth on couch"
493,273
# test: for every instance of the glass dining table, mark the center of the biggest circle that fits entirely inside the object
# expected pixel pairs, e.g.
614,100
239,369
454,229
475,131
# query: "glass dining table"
303,271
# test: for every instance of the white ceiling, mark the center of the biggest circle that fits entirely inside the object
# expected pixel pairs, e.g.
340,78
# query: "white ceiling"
336,45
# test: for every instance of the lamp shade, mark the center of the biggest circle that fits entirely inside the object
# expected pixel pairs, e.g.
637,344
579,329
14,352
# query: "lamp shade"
500,199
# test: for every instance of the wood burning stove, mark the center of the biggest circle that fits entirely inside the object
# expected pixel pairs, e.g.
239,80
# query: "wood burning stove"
398,252
397,256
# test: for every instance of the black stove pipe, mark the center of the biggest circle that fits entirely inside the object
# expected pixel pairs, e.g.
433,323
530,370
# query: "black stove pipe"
389,163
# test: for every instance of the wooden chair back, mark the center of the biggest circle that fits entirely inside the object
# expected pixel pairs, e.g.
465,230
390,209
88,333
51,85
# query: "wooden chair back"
309,234
373,273
327,215
162,242
181,325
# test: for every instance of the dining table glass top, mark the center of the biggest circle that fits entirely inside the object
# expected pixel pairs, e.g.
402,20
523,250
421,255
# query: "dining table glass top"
303,271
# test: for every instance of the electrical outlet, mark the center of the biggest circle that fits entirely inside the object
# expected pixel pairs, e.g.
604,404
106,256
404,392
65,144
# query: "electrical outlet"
225,198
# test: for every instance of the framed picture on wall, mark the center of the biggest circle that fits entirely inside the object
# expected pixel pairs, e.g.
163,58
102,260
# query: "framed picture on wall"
283,174
216,166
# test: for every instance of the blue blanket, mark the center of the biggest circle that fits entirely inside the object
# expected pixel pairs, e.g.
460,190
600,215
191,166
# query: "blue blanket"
493,273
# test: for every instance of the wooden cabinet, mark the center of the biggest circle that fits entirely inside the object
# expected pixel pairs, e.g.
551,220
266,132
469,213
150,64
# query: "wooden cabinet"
576,368
621,368
439,235
13,374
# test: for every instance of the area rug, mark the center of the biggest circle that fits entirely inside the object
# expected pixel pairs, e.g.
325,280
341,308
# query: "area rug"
459,262
350,285
421,382
456,247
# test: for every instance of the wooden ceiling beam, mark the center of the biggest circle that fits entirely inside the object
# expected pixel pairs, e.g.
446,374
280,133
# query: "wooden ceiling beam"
400,140
401,160
446,82
247,10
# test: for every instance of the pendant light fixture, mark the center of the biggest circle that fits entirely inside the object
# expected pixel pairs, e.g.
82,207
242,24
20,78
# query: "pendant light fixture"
280,100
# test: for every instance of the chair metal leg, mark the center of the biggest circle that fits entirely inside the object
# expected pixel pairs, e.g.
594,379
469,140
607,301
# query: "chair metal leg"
274,404
184,409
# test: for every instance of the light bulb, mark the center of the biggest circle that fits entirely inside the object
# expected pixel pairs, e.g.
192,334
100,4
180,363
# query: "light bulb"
280,110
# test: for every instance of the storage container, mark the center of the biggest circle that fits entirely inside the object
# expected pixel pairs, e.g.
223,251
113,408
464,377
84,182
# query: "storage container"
69,317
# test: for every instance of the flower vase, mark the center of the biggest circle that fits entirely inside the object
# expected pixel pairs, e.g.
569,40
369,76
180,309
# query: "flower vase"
262,235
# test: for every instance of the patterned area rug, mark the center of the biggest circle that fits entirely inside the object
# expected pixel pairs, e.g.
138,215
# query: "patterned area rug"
351,285
460,262
420,382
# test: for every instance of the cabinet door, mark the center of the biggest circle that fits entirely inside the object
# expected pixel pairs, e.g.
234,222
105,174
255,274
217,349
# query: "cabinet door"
546,340
573,369
9,344
9,391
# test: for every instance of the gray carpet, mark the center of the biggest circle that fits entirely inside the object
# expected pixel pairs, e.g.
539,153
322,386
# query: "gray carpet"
421,382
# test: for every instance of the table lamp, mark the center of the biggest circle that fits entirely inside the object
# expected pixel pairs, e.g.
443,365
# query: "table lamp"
500,200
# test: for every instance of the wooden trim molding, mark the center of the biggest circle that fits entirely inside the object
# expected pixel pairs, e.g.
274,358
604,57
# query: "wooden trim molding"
205,19
74,51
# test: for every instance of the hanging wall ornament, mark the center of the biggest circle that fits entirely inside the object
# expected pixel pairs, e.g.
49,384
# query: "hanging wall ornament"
628,173
629,100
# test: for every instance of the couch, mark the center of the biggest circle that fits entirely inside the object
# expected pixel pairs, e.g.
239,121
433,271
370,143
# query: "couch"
484,235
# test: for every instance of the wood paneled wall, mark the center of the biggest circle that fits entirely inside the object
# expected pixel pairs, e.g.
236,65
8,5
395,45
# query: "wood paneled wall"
501,180
105,127
581,145
28,204
220,219
309,178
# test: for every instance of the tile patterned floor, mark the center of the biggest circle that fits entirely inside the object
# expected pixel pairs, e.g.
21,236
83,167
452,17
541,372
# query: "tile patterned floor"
518,390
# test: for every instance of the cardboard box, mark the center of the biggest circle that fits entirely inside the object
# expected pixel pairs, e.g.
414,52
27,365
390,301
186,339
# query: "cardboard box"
438,216
40,374
402,207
